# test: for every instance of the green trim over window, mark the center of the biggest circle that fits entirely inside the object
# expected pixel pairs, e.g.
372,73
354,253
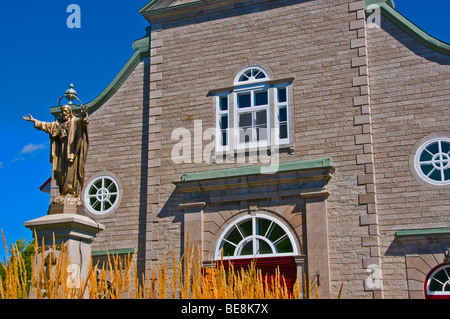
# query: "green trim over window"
423,232
113,252
256,170
388,10
142,50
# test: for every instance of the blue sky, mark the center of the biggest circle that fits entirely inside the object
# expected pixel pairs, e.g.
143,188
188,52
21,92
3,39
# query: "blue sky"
39,58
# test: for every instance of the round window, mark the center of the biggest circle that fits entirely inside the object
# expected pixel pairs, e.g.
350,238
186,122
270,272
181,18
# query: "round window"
102,195
432,161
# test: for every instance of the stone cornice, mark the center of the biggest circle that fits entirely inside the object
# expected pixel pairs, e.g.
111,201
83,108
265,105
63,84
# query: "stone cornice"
157,11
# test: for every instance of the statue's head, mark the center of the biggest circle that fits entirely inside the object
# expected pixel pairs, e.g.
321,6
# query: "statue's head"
66,112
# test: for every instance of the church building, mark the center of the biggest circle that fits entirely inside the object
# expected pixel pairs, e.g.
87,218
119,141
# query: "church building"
310,135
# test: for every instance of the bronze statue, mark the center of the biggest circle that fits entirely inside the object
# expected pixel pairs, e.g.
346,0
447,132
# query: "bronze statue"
69,147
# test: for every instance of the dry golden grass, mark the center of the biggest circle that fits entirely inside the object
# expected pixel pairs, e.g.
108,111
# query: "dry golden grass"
14,285
118,278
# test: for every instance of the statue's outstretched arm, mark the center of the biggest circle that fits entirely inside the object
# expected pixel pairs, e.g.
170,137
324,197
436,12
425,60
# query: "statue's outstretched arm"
29,118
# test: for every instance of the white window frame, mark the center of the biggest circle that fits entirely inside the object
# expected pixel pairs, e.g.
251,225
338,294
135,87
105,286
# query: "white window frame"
277,106
435,161
102,195
252,89
254,237
219,114
273,107
446,269
252,79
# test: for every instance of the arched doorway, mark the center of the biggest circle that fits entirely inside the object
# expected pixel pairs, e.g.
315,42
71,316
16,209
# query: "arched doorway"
437,282
263,239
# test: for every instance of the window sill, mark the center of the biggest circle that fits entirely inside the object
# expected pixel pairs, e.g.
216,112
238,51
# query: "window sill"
283,148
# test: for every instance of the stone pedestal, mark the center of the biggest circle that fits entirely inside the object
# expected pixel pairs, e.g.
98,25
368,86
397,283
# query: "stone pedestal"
65,226
317,241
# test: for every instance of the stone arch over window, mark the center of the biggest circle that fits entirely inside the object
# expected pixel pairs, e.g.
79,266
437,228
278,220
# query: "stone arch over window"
258,235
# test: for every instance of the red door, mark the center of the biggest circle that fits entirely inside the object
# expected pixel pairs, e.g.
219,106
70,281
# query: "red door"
268,266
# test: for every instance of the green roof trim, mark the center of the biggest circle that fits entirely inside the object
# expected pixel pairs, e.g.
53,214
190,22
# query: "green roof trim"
142,50
256,170
379,2
423,232
156,3
113,252
388,10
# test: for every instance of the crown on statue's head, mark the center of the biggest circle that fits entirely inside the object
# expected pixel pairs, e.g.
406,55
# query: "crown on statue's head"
70,95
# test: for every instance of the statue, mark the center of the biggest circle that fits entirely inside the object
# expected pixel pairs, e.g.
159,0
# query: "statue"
69,147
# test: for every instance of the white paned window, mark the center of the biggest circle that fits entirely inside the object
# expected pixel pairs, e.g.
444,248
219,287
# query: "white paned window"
255,236
222,122
255,113
282,114
102,195
438,283
252,116
432,161
251,75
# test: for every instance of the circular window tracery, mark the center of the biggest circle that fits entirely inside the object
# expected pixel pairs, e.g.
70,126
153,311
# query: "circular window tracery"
102,195
432,161
254,236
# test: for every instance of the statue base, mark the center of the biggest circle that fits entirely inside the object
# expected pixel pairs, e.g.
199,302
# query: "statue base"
66,209
67,199
63,226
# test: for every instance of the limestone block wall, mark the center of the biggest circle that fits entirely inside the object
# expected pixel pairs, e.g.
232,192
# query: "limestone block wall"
118,133
364,97
308,40
409,85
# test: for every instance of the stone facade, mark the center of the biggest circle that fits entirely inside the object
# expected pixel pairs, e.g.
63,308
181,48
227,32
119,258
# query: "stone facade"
361,97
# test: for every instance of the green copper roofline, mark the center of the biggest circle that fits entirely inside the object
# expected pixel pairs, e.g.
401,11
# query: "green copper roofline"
388,10
142,50
423,232
256,170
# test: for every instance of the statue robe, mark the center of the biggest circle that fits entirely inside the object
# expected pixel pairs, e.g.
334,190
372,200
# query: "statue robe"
69,146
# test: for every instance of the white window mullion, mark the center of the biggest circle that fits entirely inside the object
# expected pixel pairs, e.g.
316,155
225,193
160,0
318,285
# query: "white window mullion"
255,243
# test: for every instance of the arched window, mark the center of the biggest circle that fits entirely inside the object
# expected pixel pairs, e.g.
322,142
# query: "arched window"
437,284
251,75
255,236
